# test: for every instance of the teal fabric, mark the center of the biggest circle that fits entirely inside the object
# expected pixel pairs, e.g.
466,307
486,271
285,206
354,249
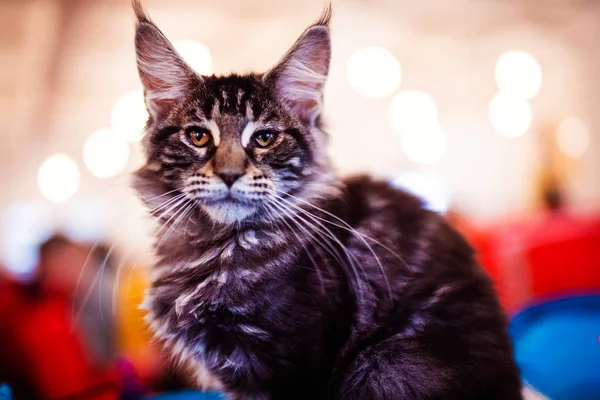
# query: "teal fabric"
189,395
5,392
557,347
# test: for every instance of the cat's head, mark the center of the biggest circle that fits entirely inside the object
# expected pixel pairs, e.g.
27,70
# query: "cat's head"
234,145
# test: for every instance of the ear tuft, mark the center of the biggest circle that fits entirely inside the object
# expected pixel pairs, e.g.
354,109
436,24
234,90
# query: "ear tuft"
299,78
326,14
164,74
139,12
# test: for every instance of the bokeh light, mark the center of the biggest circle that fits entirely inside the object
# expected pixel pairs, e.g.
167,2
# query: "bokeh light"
518,74
414,115
24,225
572,137
196,55
424,144
128,116
510,116
412,108
105,153
374,72
429,187
58,178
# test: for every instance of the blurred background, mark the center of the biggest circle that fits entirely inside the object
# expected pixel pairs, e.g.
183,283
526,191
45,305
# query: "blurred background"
487,109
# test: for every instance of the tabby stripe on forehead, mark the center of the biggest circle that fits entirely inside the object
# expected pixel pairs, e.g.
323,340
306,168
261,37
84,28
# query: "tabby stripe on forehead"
225,99
239,96
207,107
230,99
256,109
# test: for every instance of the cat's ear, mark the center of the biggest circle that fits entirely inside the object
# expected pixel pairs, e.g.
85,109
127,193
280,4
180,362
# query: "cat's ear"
164,74
300,76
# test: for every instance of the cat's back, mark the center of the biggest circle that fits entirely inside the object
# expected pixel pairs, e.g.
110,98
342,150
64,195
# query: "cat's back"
398,219
406,247
369,196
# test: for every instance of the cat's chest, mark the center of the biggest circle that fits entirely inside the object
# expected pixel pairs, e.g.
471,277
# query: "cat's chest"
220,303
228,292
219,290
216,319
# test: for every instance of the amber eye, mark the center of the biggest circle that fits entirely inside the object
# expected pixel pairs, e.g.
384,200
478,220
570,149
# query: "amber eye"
198,137
264,138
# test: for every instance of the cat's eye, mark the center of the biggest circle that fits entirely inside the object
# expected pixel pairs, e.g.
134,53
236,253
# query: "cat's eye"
199,137
264,138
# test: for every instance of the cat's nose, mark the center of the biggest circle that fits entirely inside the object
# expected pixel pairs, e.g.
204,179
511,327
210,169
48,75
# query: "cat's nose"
229,178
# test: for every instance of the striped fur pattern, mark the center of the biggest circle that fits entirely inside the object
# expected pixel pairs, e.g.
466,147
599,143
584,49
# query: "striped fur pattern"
281,280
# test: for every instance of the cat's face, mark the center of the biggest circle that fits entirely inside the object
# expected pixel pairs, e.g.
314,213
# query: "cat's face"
234,145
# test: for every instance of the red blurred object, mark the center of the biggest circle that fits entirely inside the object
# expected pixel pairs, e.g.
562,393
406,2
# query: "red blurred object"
564,256
546,255
486,244
40,353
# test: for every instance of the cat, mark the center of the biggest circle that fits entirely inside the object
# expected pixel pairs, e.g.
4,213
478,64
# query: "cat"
281,279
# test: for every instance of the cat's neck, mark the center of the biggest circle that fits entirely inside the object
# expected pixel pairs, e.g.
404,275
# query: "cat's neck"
223,267
208,246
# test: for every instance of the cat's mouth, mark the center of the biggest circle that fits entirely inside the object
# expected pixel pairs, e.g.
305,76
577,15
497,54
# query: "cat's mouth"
229,199
229,210
225,199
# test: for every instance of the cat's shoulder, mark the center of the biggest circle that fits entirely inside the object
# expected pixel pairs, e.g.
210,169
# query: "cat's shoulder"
372,193
376,206
376,200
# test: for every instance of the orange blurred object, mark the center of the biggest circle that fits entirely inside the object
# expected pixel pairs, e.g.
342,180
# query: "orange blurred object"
134,340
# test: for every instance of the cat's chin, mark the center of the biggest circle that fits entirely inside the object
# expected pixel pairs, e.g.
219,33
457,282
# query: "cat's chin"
229,212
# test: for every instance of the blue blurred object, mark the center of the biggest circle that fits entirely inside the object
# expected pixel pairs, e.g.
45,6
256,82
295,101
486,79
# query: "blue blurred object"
189,395
557,347
5,392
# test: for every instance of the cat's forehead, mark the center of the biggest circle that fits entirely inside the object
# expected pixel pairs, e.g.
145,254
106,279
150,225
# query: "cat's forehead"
242,96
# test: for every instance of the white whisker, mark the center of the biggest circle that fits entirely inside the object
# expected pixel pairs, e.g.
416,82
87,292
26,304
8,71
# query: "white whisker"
319,276
184,209
117,282
96,281
350,229
100,288
87,259
166,203
158,197
325,234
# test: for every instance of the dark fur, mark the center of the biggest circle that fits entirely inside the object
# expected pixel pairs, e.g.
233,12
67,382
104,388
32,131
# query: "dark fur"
368,296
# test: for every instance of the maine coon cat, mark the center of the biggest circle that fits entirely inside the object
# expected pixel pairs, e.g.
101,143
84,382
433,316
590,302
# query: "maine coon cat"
284,281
